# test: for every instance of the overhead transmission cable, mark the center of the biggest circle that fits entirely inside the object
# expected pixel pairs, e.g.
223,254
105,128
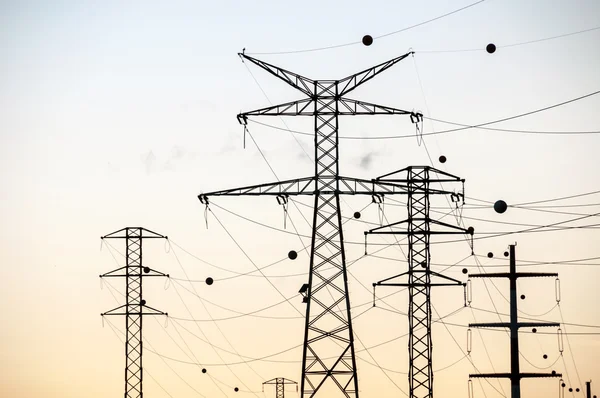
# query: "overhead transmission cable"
376,37
465,126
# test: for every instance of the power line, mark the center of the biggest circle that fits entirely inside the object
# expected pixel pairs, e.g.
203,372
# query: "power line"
376,37
512,44
464,126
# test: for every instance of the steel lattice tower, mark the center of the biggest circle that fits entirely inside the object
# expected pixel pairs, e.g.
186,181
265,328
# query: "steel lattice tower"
135,306
280,384
328,325
419,228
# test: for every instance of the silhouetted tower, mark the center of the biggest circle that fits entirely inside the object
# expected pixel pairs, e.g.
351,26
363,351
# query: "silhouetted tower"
419,228
280,384
328,353
515,374
135,306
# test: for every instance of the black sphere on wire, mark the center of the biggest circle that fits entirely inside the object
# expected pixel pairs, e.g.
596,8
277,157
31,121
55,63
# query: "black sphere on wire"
442,159
357,214
143,302
203,370
534,330
522,297
545,356
506,254
500,206
367,40
147,270
570,389
563,385
554,372
471,230
236,389
490,48
209,281
292,255
577,389
490,255
464,270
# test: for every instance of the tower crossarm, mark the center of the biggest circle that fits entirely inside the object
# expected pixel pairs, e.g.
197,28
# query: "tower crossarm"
326,106
295,80
354,107
519,324
508,375
516,275
452,229
293,108
308,186
442,176
351,82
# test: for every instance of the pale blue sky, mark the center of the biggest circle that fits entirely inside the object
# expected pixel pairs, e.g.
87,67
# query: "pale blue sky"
118,114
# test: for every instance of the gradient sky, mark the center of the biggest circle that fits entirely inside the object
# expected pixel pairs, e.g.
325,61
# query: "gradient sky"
117,114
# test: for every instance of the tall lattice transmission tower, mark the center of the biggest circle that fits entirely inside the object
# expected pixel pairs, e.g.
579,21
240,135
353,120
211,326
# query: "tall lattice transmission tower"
135,307
419,229
328,361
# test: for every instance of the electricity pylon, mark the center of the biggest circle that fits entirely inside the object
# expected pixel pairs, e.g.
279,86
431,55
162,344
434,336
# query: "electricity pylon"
135,306
328,353
280,384
515,375
419,228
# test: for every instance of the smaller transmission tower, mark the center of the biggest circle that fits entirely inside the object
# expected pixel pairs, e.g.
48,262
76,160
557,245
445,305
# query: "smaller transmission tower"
419,228
135,306
280,384
515,375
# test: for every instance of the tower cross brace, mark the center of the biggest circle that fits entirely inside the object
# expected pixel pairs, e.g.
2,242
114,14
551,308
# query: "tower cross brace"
419,228
328,350
135,306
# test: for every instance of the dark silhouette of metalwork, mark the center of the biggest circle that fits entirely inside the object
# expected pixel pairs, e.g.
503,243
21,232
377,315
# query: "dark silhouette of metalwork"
515,374
419,228
135,306
328,353
280,384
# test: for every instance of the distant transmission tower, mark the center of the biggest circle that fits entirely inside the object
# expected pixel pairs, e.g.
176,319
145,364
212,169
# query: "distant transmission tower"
280,384
419,228
135,306
328,354
515,375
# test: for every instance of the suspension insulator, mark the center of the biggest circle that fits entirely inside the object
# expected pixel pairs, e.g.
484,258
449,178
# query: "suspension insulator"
469,341
469,292
561,346
557,290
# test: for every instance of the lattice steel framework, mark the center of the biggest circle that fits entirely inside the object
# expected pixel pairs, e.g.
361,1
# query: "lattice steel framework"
135,306
419,228
280,384
328,326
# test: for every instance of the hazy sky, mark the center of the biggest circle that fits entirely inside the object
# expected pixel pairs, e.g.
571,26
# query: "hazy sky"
116,114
